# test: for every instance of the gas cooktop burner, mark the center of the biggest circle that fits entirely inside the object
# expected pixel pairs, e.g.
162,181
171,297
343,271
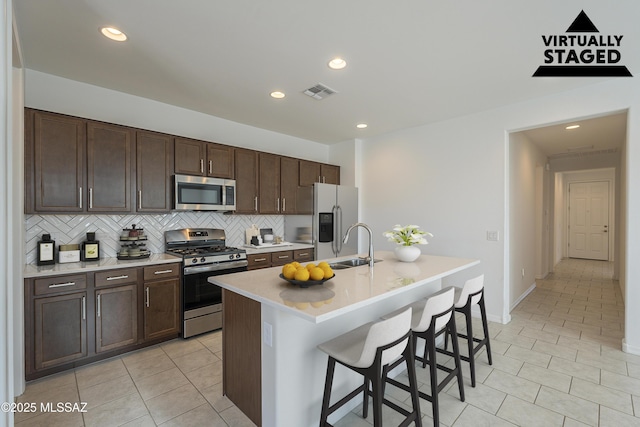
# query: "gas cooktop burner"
199,246
203,250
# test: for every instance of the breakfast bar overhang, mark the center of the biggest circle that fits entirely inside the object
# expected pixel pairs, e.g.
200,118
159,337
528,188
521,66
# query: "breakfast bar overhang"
272,369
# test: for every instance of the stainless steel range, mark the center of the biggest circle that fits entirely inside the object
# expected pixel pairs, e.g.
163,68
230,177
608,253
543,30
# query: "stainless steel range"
204,253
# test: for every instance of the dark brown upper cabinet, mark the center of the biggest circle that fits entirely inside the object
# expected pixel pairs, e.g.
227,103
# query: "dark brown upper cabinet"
108,167
312,172
154,170
246,167
200,158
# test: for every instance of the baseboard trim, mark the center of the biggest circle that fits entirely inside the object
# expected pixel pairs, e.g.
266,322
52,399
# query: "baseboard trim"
630,348
522,297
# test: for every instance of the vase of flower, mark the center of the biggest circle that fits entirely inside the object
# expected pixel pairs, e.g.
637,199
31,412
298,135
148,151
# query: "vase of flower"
407,253
407,237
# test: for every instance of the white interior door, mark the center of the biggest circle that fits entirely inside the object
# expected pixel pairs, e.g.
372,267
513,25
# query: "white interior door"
589,220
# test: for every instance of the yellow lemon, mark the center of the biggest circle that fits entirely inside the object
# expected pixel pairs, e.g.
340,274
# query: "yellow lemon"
328,272
316,273
310,266
323,264
289,272
296,264
302,274
284,267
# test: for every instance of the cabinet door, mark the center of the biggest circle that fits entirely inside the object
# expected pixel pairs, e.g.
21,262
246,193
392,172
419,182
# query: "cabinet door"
289,171
161,308
108,168
269,182
190,156
257,261
330,174
281,258
220,163
59,162
60,329
246,181
154,170
309,173
116,317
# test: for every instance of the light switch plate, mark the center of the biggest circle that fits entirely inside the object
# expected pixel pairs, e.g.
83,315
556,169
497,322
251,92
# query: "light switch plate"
493,236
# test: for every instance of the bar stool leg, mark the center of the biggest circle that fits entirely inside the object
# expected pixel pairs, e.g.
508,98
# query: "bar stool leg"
485,327
451,328
470,344
377,396
331,367
433,373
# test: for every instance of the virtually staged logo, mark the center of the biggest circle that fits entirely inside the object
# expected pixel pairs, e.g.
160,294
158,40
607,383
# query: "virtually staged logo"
581,53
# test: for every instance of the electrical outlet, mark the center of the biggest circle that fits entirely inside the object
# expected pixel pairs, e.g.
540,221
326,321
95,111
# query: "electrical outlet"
267,334
493,236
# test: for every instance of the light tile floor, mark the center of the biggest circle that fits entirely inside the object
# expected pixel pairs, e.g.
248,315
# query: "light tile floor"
557,363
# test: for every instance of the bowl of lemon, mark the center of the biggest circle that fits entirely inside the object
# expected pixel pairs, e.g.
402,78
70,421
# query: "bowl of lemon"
307,275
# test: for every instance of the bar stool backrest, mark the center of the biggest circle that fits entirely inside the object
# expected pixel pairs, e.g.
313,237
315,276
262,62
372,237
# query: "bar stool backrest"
382,333
436,304
471,287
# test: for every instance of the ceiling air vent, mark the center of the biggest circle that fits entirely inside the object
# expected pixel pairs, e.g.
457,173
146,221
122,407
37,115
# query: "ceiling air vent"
319,91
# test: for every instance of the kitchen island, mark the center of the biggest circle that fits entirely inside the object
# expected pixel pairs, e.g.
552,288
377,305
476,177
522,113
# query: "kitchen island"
272,369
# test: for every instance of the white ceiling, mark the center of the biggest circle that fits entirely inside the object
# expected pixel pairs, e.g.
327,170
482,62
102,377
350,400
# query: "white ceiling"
410,62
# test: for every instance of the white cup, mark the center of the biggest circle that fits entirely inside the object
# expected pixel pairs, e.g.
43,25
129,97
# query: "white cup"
268,238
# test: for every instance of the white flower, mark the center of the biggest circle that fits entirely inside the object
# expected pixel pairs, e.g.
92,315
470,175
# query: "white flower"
408,235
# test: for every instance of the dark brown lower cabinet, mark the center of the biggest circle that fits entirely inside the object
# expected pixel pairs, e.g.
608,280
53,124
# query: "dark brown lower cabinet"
116,317
60,329
241,354
161,308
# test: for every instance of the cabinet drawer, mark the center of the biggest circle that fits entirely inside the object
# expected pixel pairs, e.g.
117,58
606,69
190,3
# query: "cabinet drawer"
116,277
50,285
303,255
162,271
281,258
258,261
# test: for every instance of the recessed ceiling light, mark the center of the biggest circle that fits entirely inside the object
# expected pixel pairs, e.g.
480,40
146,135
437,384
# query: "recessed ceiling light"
337,64
113,34
277,94
361,125
572,127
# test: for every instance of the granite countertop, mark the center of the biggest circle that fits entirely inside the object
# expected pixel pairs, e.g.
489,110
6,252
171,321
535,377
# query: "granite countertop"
33,270
349,290
286,246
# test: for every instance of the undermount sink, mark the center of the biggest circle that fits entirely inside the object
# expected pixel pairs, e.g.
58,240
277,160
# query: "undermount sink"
348,263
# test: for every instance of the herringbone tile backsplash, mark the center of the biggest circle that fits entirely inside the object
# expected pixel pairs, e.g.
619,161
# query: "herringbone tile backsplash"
65,229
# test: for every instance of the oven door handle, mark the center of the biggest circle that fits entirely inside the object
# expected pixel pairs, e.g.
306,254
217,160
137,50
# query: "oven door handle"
220,266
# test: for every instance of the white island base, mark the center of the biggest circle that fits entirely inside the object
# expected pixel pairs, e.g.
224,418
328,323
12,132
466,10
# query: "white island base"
282,386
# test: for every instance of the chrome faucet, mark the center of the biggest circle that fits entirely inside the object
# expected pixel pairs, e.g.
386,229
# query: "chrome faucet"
366,227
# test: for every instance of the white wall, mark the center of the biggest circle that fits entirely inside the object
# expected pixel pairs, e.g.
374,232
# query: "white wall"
526,184
451,178
53,93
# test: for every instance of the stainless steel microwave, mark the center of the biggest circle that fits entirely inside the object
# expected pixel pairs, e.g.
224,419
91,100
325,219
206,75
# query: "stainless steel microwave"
200,193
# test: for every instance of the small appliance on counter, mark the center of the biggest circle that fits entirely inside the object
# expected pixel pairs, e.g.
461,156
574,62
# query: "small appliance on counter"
46,250
131,246
90,248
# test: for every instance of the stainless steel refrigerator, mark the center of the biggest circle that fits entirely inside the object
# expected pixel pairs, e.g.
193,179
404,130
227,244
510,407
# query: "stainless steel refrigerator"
335,208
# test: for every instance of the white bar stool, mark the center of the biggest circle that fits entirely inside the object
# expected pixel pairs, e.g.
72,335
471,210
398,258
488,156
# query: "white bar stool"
368,350
472,293
431,318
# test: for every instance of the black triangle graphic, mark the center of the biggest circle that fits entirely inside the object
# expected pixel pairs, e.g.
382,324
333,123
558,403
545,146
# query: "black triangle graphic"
582,24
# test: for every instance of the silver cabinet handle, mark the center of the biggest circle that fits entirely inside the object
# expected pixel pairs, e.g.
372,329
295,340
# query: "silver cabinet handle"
80,196
201,165
255,203
319,178
146,295
124,276
98,305
283,256
163,272
284,204
90,198
139,198
304,254
60,285
260,259
278,205
84,307
210,167
323,179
